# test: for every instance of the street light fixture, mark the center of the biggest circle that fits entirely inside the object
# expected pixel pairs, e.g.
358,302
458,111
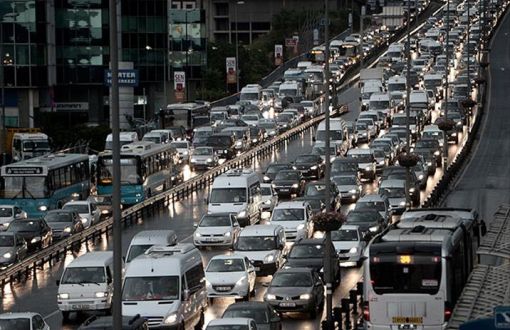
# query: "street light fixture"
165,58
239,2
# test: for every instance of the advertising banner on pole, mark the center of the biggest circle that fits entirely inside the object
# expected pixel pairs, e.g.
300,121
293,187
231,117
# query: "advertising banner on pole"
231,70
179,85
278,55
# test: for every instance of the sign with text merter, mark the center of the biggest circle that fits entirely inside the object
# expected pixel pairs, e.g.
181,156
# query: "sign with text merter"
127,78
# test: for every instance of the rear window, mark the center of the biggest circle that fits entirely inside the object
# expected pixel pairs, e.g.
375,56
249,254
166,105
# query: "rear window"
258,315
405,274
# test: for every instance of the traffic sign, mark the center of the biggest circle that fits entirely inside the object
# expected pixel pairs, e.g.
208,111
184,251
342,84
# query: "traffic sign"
291,42
502,317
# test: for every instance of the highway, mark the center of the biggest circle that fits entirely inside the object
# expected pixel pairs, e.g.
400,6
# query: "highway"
484,183
38,293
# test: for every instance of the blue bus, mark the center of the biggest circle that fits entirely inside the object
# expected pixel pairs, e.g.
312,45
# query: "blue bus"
43,183
146,169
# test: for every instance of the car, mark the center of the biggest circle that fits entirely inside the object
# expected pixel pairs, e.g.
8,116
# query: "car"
288,183
203,158
310,166
8,213
349,187
264,315
273,169
63,223
13,248
183,148
349,242
375,202
295,218
369,221
257,134
344,166
310,253
431,145
296,290
223,144
103,203
96,322
234,323
400,173
35,231
366,163
270,126
395,190
316,203
268,197
218,229
88,211
25,321
429,159
319,148
318,189
251,119
230,276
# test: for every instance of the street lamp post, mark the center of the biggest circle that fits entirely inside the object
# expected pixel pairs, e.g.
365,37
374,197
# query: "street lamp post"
447,83
408,96
239,2
165,73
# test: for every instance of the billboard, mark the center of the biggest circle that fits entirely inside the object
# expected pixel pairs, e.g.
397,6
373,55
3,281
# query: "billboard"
179,85
231,70
278,54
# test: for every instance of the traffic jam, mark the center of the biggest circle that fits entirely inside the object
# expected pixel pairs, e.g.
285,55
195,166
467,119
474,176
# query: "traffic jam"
255,256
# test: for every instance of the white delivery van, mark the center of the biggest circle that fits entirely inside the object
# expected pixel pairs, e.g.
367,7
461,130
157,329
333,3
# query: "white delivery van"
237,191
146,239
291,89
166,286
252,93
86,284
156,137
125,138
338,134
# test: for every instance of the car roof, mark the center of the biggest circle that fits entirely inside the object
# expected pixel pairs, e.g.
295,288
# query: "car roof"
249,304
230,321
228,256
18,315
291,204
371,198
295,270
78,203
392,183
260,230
349,227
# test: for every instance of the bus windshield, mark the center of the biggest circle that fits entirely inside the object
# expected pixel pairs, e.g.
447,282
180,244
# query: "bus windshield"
228,195
128,172
36,145
334,135
24,187
405,274
249,96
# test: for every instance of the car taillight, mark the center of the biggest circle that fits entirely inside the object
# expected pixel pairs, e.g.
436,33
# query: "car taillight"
366,312
447,312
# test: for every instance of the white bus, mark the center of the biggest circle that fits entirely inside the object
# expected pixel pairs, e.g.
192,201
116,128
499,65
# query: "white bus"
29,145
413,277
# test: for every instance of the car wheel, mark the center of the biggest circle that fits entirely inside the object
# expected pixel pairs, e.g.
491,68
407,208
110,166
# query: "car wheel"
65,316
211,300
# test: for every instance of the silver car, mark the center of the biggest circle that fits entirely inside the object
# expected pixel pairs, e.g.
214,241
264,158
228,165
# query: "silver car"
269,197
220,229
8,213
203,158
13,248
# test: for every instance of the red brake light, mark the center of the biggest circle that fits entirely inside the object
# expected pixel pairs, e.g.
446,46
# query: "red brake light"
366,312
447,313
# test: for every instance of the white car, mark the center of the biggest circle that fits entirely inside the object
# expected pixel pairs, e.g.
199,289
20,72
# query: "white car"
183,150
27,320
230,276
349,186
268,197
349,245
218,229
8,213
88,211
203,158
232,323
294,217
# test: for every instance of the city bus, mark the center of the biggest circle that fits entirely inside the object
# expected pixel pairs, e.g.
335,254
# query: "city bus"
349,50
413,277
46,182
146,169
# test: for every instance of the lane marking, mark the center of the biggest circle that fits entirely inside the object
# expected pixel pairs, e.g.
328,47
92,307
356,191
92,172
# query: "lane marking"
50,315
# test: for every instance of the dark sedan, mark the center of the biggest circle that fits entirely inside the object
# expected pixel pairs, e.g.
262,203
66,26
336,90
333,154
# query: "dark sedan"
272,170
63,223
432,146
287,183
318,189
223,145
13,248
369,221
310,166
36,232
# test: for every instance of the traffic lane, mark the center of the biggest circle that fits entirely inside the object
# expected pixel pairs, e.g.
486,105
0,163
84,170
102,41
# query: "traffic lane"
485,182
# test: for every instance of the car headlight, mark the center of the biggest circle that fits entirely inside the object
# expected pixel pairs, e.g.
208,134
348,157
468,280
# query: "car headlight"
42,208
354,249
227,234
294,167
193,160
137,195
209,160
241,214
105,211
63,296
185,153
269,258
364,133
314,167
273,185
254,140
295,185
75,195
322,270
437,153
170,319
67,229
101,294
239,143
413,131
6,224
83,220
420,177
268,202
241,280
402,203
225,151
266,178
7,255
381,162
305,296
35,239
454,134
197,234
429,163
373,229
270,296
368,168
353,191
412,189
300,227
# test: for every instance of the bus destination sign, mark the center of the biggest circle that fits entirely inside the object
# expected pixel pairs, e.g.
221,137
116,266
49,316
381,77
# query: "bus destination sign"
26,170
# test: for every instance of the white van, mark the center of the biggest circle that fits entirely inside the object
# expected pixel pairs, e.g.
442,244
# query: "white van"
338,134
146,239
166,286
125,138
86,284
252,93
29,145
156,137
236,191
291,89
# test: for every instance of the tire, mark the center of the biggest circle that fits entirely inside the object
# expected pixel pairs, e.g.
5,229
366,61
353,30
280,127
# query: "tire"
211,301
65,315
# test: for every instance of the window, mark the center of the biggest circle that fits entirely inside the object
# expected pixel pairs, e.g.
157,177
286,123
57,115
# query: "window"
195,278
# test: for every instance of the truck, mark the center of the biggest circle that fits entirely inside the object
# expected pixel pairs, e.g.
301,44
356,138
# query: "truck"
370,74
25,143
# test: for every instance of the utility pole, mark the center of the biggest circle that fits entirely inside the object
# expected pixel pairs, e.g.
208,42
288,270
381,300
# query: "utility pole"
361,52
237,3
3,134
445,137
117,229
408,96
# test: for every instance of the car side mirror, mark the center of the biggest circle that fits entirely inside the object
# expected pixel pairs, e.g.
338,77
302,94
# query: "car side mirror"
17,216
185,295
195,225
57,282
313,138
206,200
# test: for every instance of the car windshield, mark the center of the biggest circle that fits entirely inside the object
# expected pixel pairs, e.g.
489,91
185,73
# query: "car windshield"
401,121
250,118
361,127
322,150
128,171
361,158
427,144
363,216
249,96
15,324
303,251
334,135
150,288
344,167
81,275
296,280
257,314
266,191
345,181
256,243
24,187
36,145
306,159
267,125
155,139
179,145
6,240
226,265
136,250
101,200
228,327
287,175
216,221
288,215
315,190
276,168
350,235
80,208
228,195
379,104
24,225
5,212
58,217
203,152
219,141
393,192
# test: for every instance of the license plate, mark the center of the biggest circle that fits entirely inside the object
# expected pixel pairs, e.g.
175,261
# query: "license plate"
257,269
223,288
407,320
211,239
80,307
284,190
287,304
